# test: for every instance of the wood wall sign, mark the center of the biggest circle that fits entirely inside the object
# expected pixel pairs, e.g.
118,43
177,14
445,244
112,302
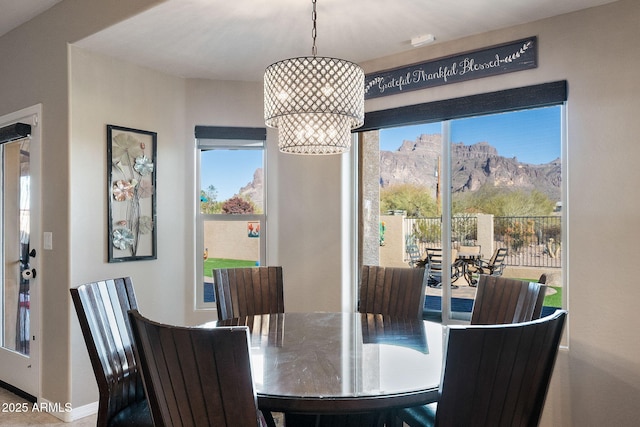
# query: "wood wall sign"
500,59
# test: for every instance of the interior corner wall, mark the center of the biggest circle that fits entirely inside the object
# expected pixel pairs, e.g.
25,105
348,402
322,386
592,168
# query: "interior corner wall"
596,51
305,203
106,91
35,71
235,104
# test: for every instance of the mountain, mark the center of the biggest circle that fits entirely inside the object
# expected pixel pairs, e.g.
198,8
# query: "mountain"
416,162
253,190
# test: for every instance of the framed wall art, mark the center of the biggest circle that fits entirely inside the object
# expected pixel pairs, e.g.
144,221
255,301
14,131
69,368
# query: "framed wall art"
131,177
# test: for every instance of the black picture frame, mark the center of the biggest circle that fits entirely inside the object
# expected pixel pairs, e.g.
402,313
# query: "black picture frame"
131,192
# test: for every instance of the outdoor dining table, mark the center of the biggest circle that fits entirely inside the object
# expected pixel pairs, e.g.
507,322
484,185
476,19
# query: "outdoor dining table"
339,363
464,259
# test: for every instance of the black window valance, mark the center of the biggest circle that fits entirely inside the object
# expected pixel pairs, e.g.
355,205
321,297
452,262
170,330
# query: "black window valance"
542,95
15,131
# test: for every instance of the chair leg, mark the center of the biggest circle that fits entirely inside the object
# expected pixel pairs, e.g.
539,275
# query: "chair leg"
268,417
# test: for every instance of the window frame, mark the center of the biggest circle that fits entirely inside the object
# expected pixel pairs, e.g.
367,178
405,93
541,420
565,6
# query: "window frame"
226,138
444,111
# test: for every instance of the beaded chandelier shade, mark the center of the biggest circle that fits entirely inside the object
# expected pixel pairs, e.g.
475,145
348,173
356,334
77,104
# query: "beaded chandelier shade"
314,102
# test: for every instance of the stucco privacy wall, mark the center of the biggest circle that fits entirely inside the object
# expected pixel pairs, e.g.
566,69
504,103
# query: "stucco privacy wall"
35,70
597,380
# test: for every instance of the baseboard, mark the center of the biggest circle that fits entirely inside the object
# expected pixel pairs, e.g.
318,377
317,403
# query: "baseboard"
65,413
23,394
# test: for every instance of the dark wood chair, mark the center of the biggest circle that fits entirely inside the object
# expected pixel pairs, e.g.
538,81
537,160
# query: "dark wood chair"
501,300
248,291
494,375
493,267
196,376
392,291
102,311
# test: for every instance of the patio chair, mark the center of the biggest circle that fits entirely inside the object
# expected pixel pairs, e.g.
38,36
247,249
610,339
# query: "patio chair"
196,376
248,291
102,312
413,251
493,267
392,291
435,267
494,375
500,300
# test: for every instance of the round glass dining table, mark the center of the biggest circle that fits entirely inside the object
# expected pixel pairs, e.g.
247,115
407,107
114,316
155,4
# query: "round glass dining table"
333,363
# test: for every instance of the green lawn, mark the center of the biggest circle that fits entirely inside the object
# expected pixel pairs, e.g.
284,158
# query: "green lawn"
554,300
212,263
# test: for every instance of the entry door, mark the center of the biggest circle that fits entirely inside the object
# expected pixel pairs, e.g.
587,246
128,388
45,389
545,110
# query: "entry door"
19,334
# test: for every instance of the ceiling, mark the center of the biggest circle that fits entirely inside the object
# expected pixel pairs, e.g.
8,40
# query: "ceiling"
237,40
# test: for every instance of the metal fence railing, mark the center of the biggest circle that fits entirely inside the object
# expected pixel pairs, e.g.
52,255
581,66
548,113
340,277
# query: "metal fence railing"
531,241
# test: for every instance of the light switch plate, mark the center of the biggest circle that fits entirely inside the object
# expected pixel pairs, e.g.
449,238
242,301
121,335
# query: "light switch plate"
47,240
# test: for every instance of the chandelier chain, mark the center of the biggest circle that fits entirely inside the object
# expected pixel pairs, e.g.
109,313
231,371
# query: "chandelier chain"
314,32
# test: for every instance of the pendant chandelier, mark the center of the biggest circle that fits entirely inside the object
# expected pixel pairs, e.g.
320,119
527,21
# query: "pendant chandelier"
314,102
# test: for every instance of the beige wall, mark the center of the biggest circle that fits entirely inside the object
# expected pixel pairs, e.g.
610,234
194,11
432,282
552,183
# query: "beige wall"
104,91
597,380
311,199
35,70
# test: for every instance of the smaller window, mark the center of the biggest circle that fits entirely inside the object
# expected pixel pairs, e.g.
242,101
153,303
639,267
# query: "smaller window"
231,214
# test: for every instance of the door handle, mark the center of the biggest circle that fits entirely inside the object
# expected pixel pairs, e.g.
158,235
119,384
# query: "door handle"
29,274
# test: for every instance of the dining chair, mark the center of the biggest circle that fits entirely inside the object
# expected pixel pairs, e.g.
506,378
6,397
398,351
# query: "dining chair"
102,312
502,300
393,291
248,291
196,376
494,375
494,266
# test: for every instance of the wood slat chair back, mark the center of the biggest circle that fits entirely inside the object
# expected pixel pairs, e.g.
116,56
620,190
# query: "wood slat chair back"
392,291
196,376
494,375
511,366
248,291
102,312
502,300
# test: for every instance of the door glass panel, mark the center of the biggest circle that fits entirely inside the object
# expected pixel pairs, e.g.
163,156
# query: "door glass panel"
506,176
504,172
15,234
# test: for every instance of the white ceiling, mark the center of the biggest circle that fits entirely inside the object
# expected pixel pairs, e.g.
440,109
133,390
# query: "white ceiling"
237,40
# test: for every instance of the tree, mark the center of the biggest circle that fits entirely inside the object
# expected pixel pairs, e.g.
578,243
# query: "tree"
208,202
237,205
416,200
503,202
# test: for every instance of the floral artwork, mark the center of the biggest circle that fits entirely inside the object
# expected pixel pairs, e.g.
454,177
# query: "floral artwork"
131,167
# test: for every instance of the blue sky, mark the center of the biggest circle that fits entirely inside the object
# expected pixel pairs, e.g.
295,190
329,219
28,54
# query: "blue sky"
533,136
228,170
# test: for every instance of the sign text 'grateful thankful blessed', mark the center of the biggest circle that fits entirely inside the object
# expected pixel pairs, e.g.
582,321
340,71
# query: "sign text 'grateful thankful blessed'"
505,58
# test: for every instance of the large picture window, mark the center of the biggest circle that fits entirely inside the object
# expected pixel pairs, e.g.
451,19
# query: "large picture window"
487,182
231,202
